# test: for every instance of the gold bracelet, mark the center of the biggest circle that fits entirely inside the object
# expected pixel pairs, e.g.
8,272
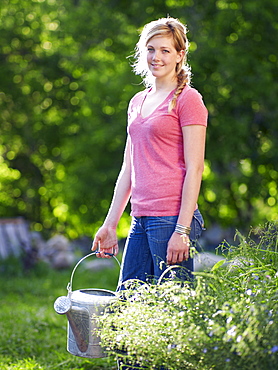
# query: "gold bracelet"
180,229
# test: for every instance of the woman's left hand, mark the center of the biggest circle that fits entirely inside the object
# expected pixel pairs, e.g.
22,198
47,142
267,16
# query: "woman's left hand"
178,249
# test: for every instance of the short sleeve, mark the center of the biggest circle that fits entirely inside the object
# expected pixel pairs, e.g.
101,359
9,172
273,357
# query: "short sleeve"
191,109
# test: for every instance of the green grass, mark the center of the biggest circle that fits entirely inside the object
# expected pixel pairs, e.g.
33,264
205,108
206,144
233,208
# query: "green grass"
33,335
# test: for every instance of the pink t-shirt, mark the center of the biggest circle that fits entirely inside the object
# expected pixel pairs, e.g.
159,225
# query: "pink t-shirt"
157,157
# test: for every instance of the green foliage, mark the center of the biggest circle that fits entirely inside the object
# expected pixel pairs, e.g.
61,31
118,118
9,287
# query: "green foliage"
227,320
235,65
65,86
33,335
63,126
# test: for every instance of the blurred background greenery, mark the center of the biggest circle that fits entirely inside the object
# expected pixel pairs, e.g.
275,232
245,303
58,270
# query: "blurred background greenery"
66,81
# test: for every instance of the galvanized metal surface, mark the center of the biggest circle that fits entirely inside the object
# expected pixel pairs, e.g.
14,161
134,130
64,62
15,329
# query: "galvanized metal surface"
82,308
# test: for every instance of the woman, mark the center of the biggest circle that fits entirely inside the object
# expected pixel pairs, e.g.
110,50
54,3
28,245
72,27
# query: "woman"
163,160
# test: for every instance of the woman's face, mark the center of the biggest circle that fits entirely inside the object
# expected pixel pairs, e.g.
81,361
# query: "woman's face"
162,57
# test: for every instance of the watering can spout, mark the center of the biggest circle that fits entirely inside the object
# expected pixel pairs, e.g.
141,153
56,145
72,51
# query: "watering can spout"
62,305
76,315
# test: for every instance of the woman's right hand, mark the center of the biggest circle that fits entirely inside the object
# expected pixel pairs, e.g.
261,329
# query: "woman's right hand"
105,241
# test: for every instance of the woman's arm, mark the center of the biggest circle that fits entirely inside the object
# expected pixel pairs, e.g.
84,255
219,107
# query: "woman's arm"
105,239
194,137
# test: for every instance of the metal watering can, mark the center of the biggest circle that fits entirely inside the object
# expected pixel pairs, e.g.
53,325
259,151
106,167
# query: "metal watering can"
80,306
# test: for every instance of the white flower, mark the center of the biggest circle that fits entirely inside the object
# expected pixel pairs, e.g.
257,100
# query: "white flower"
232,331
119,337
249,292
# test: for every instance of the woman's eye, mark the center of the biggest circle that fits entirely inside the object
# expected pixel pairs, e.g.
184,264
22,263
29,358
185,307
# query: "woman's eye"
166,51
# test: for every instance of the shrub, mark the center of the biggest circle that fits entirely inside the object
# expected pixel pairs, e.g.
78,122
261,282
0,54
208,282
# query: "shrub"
227,319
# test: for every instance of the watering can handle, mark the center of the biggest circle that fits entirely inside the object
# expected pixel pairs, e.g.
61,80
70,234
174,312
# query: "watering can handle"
69,287
169,268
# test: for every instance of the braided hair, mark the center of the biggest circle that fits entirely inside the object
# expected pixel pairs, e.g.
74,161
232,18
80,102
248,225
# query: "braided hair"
168,27
182,81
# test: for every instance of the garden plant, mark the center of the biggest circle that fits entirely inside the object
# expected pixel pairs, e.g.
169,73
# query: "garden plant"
226,319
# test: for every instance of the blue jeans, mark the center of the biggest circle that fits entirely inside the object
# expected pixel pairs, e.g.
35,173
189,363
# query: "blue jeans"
145,251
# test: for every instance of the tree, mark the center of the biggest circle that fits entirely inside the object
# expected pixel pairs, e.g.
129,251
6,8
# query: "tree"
65,86
236,67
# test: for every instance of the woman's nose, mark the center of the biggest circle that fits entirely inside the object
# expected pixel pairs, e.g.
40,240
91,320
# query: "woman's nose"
156,55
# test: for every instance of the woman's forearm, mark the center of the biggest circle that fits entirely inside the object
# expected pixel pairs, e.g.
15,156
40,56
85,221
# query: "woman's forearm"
190,194
122,191
120,199
194,149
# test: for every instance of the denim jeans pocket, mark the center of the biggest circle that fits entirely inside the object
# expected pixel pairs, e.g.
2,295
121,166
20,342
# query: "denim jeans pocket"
160,228
197,225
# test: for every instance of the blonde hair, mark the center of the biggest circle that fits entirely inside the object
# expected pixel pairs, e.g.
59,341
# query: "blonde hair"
168,27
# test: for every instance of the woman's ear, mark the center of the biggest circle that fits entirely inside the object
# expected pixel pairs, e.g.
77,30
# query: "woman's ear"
180,55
